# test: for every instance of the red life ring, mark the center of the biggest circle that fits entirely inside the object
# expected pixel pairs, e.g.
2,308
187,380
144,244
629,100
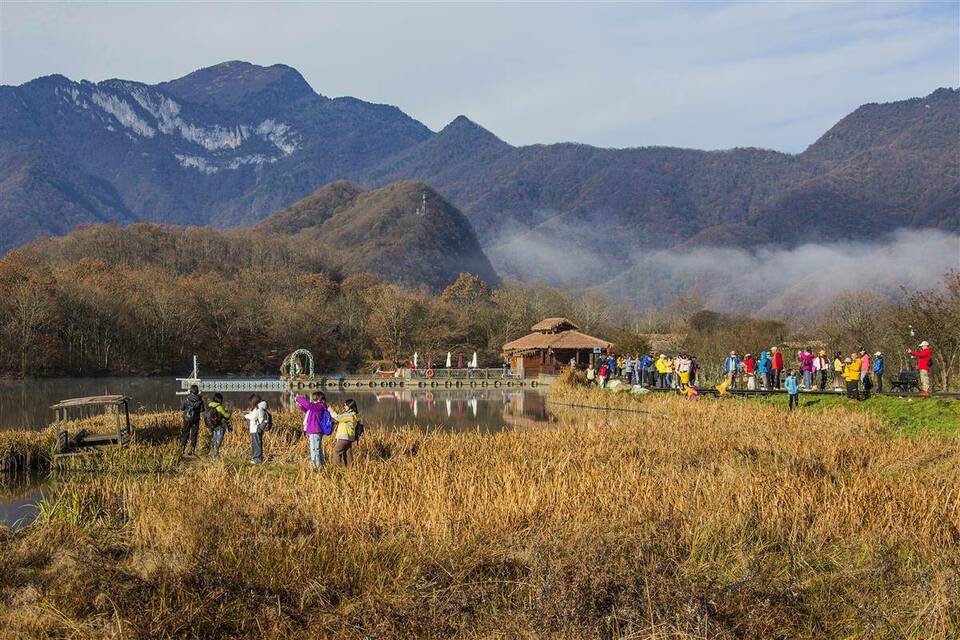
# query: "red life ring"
429,373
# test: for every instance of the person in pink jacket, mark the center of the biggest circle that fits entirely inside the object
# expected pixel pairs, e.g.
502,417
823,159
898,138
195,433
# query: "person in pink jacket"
316,424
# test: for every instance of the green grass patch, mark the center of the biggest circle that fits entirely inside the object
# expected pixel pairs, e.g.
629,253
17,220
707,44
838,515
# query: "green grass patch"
906,416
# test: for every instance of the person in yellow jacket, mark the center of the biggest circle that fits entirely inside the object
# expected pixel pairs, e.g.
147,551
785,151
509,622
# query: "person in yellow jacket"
217,419
348,430
851,375
663,368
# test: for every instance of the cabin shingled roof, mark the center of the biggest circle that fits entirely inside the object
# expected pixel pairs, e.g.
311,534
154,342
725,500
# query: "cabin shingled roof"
552,324
570,339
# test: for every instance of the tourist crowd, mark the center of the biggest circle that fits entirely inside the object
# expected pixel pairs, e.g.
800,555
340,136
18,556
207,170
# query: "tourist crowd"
858,373
319,419
662,372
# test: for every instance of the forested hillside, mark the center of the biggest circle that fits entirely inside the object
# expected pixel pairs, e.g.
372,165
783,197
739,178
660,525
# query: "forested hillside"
144,298
404,232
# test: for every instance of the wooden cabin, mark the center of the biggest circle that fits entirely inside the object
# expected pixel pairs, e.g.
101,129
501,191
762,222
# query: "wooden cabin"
553,343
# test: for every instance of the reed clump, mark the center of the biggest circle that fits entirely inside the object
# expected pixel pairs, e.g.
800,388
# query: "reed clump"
693,519
24,451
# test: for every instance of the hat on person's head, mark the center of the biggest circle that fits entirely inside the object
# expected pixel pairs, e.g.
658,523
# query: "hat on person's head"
733,353
924,344
663,355
847,359
878,354
823,352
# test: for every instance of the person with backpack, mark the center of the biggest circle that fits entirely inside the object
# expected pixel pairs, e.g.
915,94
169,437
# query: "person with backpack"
349,430
192,408
259,421
217,419
878,368
316,424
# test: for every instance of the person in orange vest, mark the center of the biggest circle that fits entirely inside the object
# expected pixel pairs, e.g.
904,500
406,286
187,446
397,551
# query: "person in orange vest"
923,356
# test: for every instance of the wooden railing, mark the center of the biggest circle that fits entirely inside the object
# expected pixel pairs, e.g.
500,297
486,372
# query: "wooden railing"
442,373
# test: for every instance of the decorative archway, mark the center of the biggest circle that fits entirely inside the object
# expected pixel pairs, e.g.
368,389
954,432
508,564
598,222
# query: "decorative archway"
297,365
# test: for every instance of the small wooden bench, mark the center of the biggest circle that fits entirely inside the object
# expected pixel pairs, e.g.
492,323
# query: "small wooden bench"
906,381
86,441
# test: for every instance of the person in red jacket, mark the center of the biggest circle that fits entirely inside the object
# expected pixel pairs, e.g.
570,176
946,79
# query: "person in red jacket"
923,356
750,368
776,367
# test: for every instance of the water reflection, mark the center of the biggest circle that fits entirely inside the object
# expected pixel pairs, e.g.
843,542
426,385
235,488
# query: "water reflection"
19,496
453,410
25,404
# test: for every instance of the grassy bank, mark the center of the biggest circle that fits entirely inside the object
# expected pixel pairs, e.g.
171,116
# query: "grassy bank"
681,519
905,416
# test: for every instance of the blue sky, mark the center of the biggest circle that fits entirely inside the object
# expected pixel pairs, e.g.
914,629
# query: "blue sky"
704,75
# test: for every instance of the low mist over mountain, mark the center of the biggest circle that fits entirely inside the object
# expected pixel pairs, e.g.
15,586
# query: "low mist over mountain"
229,144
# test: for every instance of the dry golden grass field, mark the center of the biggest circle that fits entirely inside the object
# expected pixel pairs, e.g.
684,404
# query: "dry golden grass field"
679,519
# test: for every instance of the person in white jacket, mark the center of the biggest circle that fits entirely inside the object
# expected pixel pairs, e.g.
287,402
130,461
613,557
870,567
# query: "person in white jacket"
256,419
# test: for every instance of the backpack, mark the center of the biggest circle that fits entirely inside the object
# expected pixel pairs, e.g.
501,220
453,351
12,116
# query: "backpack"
267,423
213,419
357,432
191,413
326,423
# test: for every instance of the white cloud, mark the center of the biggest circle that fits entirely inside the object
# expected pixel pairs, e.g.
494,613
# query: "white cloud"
697,75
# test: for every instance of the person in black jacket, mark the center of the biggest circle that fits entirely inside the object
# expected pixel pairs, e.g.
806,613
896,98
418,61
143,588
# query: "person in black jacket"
192,408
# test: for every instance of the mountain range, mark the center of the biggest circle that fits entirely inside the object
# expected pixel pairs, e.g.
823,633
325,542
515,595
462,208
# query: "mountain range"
230,144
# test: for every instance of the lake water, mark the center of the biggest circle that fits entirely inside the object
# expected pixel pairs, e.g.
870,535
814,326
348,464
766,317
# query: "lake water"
25,404
19,496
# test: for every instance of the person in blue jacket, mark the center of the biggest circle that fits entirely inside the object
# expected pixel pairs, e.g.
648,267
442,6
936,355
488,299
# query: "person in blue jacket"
792,386
612,366
878,370
763,369
646,362
731,366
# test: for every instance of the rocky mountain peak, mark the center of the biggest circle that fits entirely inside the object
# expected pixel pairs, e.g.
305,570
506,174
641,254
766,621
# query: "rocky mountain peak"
238,85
